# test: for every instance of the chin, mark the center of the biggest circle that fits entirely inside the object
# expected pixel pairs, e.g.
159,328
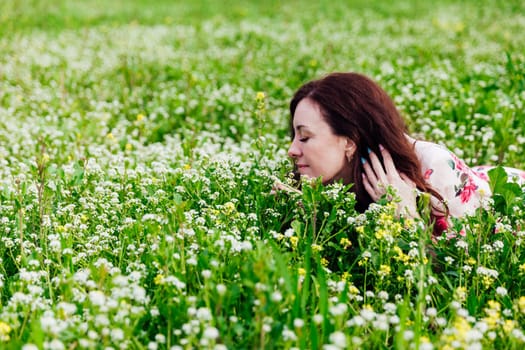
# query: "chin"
328,181
306,173
334,179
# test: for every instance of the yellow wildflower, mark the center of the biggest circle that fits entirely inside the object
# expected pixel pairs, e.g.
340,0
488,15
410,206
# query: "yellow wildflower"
521,304
229,208
345,242
363,261
380,234
392,207
129,147
491,320
260,96
405,258
316,248
110,136
461,326
396,228
324,262
494,305
159,279
459,27
294,240
353,290
409,223
5,329
346,276
301,271
385,218
487,281
424,340
140,116
509,325
493,314
368,307
461,330
384,270
460,293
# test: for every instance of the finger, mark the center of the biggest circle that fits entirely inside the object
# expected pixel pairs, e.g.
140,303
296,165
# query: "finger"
279,186
390,167
370,174
377,167
370,189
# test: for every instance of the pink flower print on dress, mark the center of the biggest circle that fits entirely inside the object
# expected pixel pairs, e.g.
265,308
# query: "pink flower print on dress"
481,172
457,163
427,174
483,176
468,190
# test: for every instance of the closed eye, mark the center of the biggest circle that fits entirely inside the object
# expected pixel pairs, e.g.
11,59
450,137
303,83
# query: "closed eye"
304,139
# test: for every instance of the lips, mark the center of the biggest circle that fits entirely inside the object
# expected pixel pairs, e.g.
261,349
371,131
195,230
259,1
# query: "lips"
301,167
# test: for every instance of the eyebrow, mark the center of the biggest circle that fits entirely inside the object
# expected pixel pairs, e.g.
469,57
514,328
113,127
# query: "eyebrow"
299,127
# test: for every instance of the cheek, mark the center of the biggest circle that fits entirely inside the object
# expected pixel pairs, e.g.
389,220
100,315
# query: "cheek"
341,162
337,163
333,163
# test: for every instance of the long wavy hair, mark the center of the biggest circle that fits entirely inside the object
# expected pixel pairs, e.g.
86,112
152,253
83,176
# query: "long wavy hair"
355,106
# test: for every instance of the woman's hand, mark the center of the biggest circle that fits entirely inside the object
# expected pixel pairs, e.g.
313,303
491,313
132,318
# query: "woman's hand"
280,186
376,179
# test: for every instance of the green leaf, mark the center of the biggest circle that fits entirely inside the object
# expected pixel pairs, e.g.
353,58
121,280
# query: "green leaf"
297,227
503,192
498,178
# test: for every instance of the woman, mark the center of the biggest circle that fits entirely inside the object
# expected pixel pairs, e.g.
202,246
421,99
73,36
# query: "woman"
345,127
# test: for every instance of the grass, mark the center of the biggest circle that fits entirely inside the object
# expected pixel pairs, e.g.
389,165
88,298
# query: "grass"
138,147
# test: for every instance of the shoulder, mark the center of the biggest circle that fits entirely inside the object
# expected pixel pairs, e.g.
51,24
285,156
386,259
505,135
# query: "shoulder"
434,156
438,163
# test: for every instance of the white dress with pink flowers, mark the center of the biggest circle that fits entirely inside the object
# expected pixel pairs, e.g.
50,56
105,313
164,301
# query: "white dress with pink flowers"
462,187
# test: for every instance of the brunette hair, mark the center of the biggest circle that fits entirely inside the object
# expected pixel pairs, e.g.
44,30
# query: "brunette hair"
355,106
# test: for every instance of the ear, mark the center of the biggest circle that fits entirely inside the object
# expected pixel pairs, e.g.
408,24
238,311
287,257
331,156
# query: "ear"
350,148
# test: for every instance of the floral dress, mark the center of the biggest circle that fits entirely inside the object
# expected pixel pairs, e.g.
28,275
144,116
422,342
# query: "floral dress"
463,188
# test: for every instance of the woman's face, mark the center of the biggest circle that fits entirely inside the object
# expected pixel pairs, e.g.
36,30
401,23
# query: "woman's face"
315,149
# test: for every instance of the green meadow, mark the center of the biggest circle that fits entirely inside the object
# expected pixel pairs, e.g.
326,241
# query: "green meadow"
139,143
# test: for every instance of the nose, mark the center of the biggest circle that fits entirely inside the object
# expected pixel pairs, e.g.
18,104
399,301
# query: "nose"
294,151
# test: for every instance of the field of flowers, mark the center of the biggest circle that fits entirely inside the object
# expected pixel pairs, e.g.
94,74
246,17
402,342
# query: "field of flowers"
139,142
